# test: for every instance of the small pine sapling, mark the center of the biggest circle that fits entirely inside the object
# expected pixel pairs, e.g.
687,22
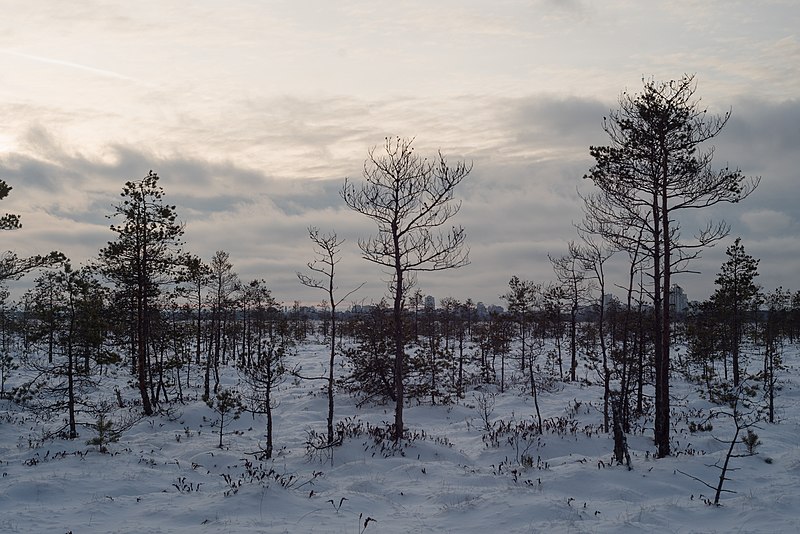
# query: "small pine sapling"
109,425
751,441
105,433
226,403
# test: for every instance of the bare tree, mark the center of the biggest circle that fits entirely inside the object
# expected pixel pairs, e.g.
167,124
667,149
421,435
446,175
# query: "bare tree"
196,278
593,255
652,170
744,416
408,197
224,282
327,248
571,278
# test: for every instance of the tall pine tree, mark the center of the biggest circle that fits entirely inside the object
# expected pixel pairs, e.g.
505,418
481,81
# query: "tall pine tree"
653,169
145,255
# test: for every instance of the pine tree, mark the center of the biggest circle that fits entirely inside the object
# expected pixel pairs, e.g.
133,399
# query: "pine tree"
13,267
736,296
145,256
65,315
651,171
224,283
226,403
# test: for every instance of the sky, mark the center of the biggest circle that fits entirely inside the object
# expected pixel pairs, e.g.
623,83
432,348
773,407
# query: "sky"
254,113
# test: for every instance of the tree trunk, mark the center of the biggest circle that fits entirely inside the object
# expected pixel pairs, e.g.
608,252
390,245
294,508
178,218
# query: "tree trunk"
141,343
663,327
331,363
399,352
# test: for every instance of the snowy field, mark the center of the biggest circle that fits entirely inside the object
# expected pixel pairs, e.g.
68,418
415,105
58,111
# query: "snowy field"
167,473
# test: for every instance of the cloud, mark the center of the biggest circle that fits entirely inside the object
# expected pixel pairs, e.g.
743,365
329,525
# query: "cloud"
518,205
72,65
766,221
65,201
764,127
761,139
557,126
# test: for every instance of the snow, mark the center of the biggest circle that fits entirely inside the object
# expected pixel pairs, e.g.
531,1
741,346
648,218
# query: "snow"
166,473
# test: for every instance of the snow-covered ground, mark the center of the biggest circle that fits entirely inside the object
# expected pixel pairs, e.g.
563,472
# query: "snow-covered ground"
166,473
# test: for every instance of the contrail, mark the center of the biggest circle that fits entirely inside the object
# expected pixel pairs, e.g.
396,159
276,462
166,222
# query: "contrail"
101,72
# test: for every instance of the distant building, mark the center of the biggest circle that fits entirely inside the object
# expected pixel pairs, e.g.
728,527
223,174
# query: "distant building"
609,300
678,301
430,303
362,308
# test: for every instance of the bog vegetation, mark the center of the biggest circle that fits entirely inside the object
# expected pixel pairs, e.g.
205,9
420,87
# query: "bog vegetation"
177,323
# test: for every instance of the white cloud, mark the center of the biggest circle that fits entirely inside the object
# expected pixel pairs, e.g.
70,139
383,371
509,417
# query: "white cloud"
766,221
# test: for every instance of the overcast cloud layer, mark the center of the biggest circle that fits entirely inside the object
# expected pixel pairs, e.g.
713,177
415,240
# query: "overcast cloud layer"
254,113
